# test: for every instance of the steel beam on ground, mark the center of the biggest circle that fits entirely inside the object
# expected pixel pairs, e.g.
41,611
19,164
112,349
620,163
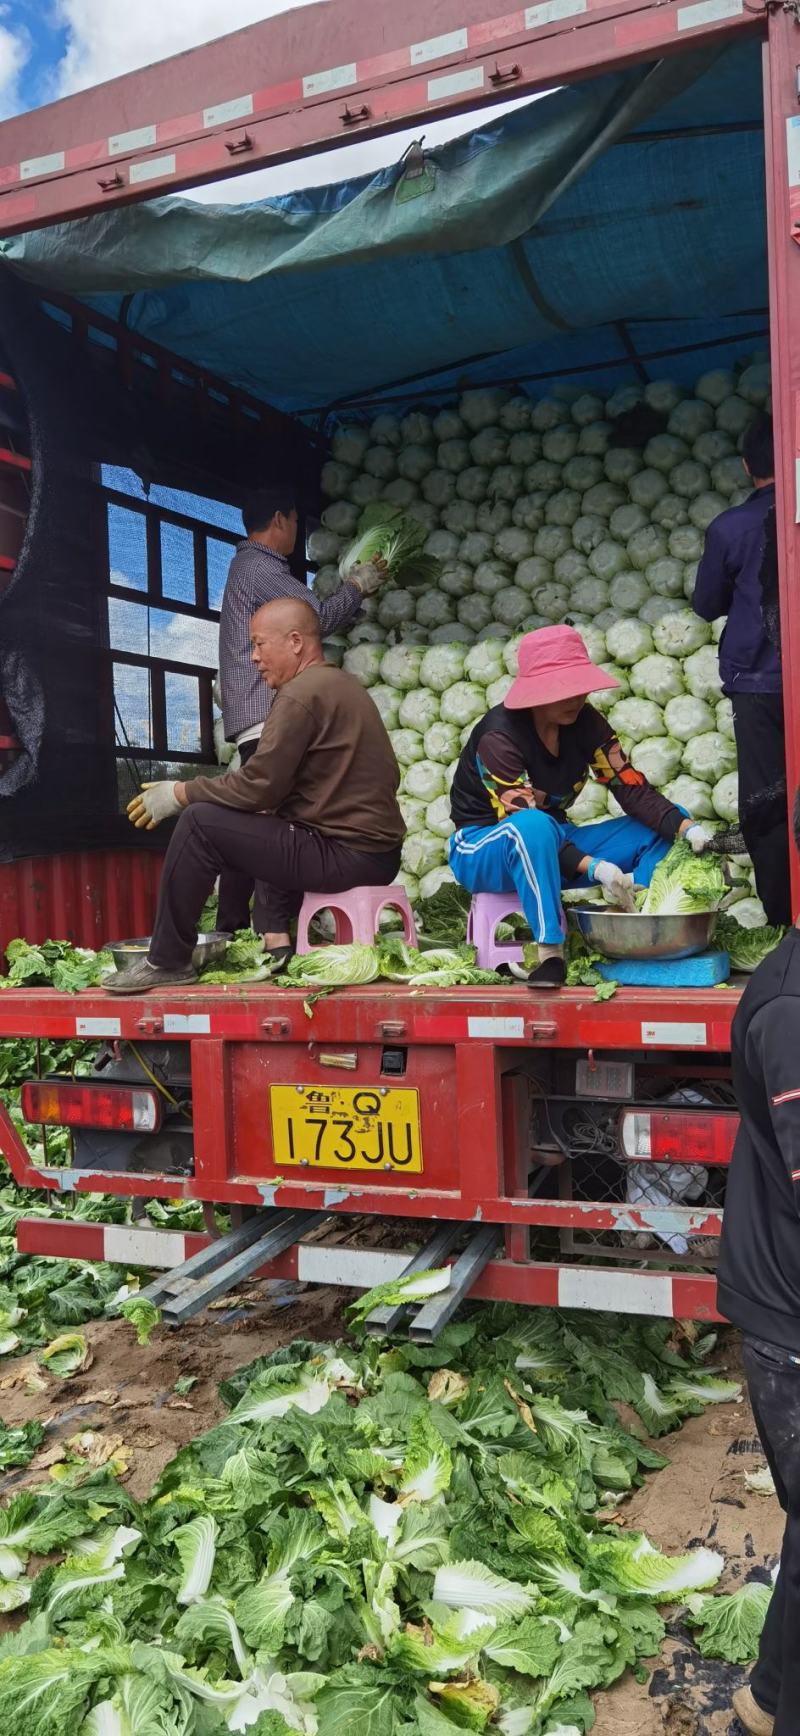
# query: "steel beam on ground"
428,1323
384,1319
193,1297
209,1259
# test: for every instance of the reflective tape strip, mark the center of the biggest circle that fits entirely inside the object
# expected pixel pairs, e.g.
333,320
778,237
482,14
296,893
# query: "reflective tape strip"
51,165
793,149
707,12
98,1027
138,139
361,1267
477,1027
151,169
235,110
551,11
187,1024
454,42
337,78
454,83
621,1292
125,1245
685,1036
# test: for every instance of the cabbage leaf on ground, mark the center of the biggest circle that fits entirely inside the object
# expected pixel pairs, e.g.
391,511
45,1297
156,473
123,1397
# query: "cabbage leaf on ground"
390,1539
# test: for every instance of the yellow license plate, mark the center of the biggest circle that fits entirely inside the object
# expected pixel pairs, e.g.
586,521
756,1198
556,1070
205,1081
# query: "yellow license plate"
326,1127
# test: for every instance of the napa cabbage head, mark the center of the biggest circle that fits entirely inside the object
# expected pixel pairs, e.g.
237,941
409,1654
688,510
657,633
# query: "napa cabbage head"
684,883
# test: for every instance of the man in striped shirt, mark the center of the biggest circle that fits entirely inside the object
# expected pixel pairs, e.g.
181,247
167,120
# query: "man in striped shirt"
259,574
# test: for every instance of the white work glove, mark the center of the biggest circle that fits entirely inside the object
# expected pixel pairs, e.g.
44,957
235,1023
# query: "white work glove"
368,577
155,802
619,886
698,836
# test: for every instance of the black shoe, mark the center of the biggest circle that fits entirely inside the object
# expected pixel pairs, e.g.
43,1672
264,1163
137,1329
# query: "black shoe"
141,978
550,974
280,956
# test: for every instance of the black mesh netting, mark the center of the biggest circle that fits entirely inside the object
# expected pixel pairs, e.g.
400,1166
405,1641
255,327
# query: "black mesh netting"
61,792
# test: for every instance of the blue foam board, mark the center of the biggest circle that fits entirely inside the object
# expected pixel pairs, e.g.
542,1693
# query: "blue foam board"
702,972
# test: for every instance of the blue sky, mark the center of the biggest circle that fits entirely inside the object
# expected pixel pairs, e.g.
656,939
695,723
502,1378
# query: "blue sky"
49,48
32,46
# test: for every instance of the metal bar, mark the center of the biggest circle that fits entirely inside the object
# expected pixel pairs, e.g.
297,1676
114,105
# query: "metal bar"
139,659
428,1323
384,1320
515,1095
186,374
668,1293
197,1296
168,514
349,72
158,706
192,611
210,1258
212,1113
783,233
460,372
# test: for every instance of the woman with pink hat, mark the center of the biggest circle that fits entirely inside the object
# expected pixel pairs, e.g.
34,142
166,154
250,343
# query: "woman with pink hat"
524,765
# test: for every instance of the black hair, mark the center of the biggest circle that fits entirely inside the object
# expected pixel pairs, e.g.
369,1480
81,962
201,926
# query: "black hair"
261,506
758,449
636,426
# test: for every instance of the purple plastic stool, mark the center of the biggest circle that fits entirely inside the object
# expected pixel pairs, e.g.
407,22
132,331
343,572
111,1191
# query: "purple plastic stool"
356,913
486,912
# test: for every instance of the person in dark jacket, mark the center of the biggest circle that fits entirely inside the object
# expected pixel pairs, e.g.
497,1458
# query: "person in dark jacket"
759,1291
525,763
738,577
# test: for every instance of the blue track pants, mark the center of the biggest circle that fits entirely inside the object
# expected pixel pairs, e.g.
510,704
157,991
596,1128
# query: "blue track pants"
520,854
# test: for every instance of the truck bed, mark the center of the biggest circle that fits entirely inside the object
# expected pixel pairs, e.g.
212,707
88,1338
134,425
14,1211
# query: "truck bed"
462,1082
665,1019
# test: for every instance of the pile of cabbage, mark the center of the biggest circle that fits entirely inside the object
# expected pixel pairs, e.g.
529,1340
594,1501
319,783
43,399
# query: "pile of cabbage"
536,515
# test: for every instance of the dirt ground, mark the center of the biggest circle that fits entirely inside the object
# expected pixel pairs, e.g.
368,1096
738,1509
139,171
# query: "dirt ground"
128,1395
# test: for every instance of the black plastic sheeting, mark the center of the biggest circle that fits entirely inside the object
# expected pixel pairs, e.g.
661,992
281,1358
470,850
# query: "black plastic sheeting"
60,793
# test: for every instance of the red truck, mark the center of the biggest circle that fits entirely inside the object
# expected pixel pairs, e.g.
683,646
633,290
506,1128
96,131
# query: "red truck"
516,1117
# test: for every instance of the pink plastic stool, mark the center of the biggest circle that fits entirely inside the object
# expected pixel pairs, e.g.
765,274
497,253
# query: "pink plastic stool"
486,912
356,913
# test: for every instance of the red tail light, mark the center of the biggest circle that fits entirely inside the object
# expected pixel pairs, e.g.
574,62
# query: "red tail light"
678,1135
63,1103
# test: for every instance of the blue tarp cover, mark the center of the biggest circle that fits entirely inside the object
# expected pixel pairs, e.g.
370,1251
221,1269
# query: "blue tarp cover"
624,211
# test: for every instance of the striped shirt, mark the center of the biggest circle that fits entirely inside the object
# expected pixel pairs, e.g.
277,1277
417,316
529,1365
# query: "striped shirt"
257,575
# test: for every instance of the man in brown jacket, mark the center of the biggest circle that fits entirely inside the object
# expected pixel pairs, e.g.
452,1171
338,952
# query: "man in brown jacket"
314,809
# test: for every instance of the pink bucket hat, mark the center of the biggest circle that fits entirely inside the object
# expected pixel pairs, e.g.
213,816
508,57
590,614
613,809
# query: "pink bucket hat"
554,664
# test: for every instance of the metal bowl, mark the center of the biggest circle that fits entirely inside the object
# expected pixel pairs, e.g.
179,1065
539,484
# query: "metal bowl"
629,934
210,950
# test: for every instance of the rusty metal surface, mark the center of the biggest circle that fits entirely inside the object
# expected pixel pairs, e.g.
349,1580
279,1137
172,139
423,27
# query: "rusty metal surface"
87,898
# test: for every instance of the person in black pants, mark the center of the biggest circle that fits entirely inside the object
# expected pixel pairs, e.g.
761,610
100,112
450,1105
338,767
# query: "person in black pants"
759,1291
738,577
260,573
314,809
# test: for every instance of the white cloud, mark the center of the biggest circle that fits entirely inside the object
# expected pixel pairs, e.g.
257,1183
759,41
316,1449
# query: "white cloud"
104,40
15,48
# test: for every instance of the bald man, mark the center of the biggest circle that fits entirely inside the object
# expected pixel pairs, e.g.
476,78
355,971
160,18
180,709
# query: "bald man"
314,809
